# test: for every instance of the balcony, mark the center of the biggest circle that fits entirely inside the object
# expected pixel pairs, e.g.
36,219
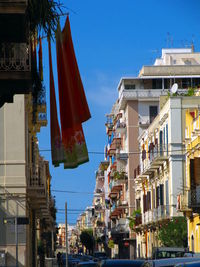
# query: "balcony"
122,156
156,157
120,127
144,123
147,217
122,226
138,220
13,6
143,94
15,70
194,199
183,202
116,143
109,128
155,215
170,70
37,187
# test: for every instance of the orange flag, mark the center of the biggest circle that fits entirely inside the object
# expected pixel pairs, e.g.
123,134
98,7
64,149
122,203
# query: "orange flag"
57,151
73,104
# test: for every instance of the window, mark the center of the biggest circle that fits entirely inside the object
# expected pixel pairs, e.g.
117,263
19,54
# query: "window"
129,86
153,112
161,194
157,84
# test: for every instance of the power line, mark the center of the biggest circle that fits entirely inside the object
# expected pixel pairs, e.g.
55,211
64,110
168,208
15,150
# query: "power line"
133,152
72,209
71,192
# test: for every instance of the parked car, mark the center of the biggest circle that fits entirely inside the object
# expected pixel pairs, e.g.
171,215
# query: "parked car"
122,263
170,262
88,264
188,264
100,255
168,252
71,260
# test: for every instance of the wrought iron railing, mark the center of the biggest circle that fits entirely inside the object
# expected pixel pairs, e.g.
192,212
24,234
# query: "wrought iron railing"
15,57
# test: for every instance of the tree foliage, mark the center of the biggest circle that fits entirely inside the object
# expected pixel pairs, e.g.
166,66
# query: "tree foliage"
174,233
87,239
133,219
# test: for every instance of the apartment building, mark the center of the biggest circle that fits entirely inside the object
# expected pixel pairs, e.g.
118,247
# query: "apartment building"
99,209
136,107
188,200
27,208
161,171
25,183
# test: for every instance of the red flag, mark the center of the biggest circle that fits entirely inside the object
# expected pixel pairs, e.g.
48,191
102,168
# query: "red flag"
57,150
73,104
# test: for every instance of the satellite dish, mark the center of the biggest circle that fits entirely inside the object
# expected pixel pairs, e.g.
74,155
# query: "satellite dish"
174,88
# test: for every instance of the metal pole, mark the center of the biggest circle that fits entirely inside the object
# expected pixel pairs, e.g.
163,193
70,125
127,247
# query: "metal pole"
16,241
66,234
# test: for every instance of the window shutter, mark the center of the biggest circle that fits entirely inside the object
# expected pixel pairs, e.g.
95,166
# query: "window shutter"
161,194
197,171
192,180
157,196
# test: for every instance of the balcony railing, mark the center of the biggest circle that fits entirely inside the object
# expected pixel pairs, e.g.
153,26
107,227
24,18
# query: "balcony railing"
122,156
154,157
15,57
120,127
37,184
125,95
194,199
184,201
122,226
155,215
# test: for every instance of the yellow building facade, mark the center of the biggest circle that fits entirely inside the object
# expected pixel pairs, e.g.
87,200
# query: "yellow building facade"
192,209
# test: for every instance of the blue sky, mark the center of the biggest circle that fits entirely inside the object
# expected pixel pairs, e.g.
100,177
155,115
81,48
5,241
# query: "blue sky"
112,39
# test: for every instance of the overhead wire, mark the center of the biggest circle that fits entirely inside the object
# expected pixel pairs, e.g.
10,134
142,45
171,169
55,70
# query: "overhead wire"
130,152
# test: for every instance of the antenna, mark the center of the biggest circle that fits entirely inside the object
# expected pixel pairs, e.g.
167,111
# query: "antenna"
174,88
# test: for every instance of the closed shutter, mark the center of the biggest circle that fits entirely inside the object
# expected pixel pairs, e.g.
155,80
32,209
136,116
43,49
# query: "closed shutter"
153,202
161,194
197,171
157,196
161,142
192,180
